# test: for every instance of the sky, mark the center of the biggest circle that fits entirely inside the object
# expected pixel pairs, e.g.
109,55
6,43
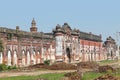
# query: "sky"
96,16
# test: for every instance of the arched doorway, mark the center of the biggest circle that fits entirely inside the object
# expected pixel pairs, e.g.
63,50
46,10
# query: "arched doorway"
97,58
38,57
1,57
23,58
9,58
28,58
33,57
15,58
68,54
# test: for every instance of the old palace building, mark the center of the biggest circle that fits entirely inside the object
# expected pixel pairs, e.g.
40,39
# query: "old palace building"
62,44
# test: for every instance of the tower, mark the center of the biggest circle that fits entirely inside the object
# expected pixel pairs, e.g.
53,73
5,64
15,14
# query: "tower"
33,28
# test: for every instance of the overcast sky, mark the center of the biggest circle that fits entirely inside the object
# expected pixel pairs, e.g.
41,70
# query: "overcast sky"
96,16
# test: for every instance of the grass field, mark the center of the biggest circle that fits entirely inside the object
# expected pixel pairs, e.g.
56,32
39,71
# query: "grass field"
106,62
93,75
45,76
57,76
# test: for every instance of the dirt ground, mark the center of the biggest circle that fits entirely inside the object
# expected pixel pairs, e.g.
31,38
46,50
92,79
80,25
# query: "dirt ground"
30,73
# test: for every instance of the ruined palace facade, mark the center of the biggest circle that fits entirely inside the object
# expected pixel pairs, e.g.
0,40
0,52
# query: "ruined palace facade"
62,44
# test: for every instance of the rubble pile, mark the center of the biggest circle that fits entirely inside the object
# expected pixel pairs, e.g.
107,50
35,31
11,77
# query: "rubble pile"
105,68
107,77
34,67
41,79
73,76
55,66
88,65
41,65
62,66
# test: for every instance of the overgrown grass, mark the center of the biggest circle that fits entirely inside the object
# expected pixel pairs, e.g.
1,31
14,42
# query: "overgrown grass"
91,75
106,62
117,73
20,78
56,76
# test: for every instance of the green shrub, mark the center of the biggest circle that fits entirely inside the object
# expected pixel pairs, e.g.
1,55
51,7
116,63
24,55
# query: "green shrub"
47,62
9,67
14,67
3,67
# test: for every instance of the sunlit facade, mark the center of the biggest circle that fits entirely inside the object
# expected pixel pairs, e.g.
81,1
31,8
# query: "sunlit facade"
64,44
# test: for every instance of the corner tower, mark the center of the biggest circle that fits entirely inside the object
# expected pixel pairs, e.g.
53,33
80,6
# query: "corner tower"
33,28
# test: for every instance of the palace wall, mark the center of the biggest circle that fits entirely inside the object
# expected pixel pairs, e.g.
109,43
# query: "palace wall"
23,48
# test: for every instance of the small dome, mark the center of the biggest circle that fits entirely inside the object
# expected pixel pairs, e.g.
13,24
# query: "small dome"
33,21
58,26
65,23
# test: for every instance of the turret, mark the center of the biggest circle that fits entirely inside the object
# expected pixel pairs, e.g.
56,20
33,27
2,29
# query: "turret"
33,28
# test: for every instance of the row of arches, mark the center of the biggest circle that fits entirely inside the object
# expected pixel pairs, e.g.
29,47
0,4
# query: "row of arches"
28,59
23,59
91,57
81,56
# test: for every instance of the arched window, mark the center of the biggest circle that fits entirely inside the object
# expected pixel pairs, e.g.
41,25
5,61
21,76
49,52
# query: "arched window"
28,58
15,58
1,57
33,57
23,57
38,61
9,58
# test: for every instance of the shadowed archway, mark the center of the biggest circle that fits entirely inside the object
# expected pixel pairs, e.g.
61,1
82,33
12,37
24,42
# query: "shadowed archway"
68,54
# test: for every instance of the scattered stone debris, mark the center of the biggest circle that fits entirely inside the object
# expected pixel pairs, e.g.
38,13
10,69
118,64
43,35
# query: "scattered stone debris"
65,78
41,79
62,66
79,73
73,76
55,66
41,65
105,68
88,65
107,77
34,67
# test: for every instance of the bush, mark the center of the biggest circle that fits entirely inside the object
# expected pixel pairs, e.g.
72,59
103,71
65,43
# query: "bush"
3,67
14,67
9,67
47,62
